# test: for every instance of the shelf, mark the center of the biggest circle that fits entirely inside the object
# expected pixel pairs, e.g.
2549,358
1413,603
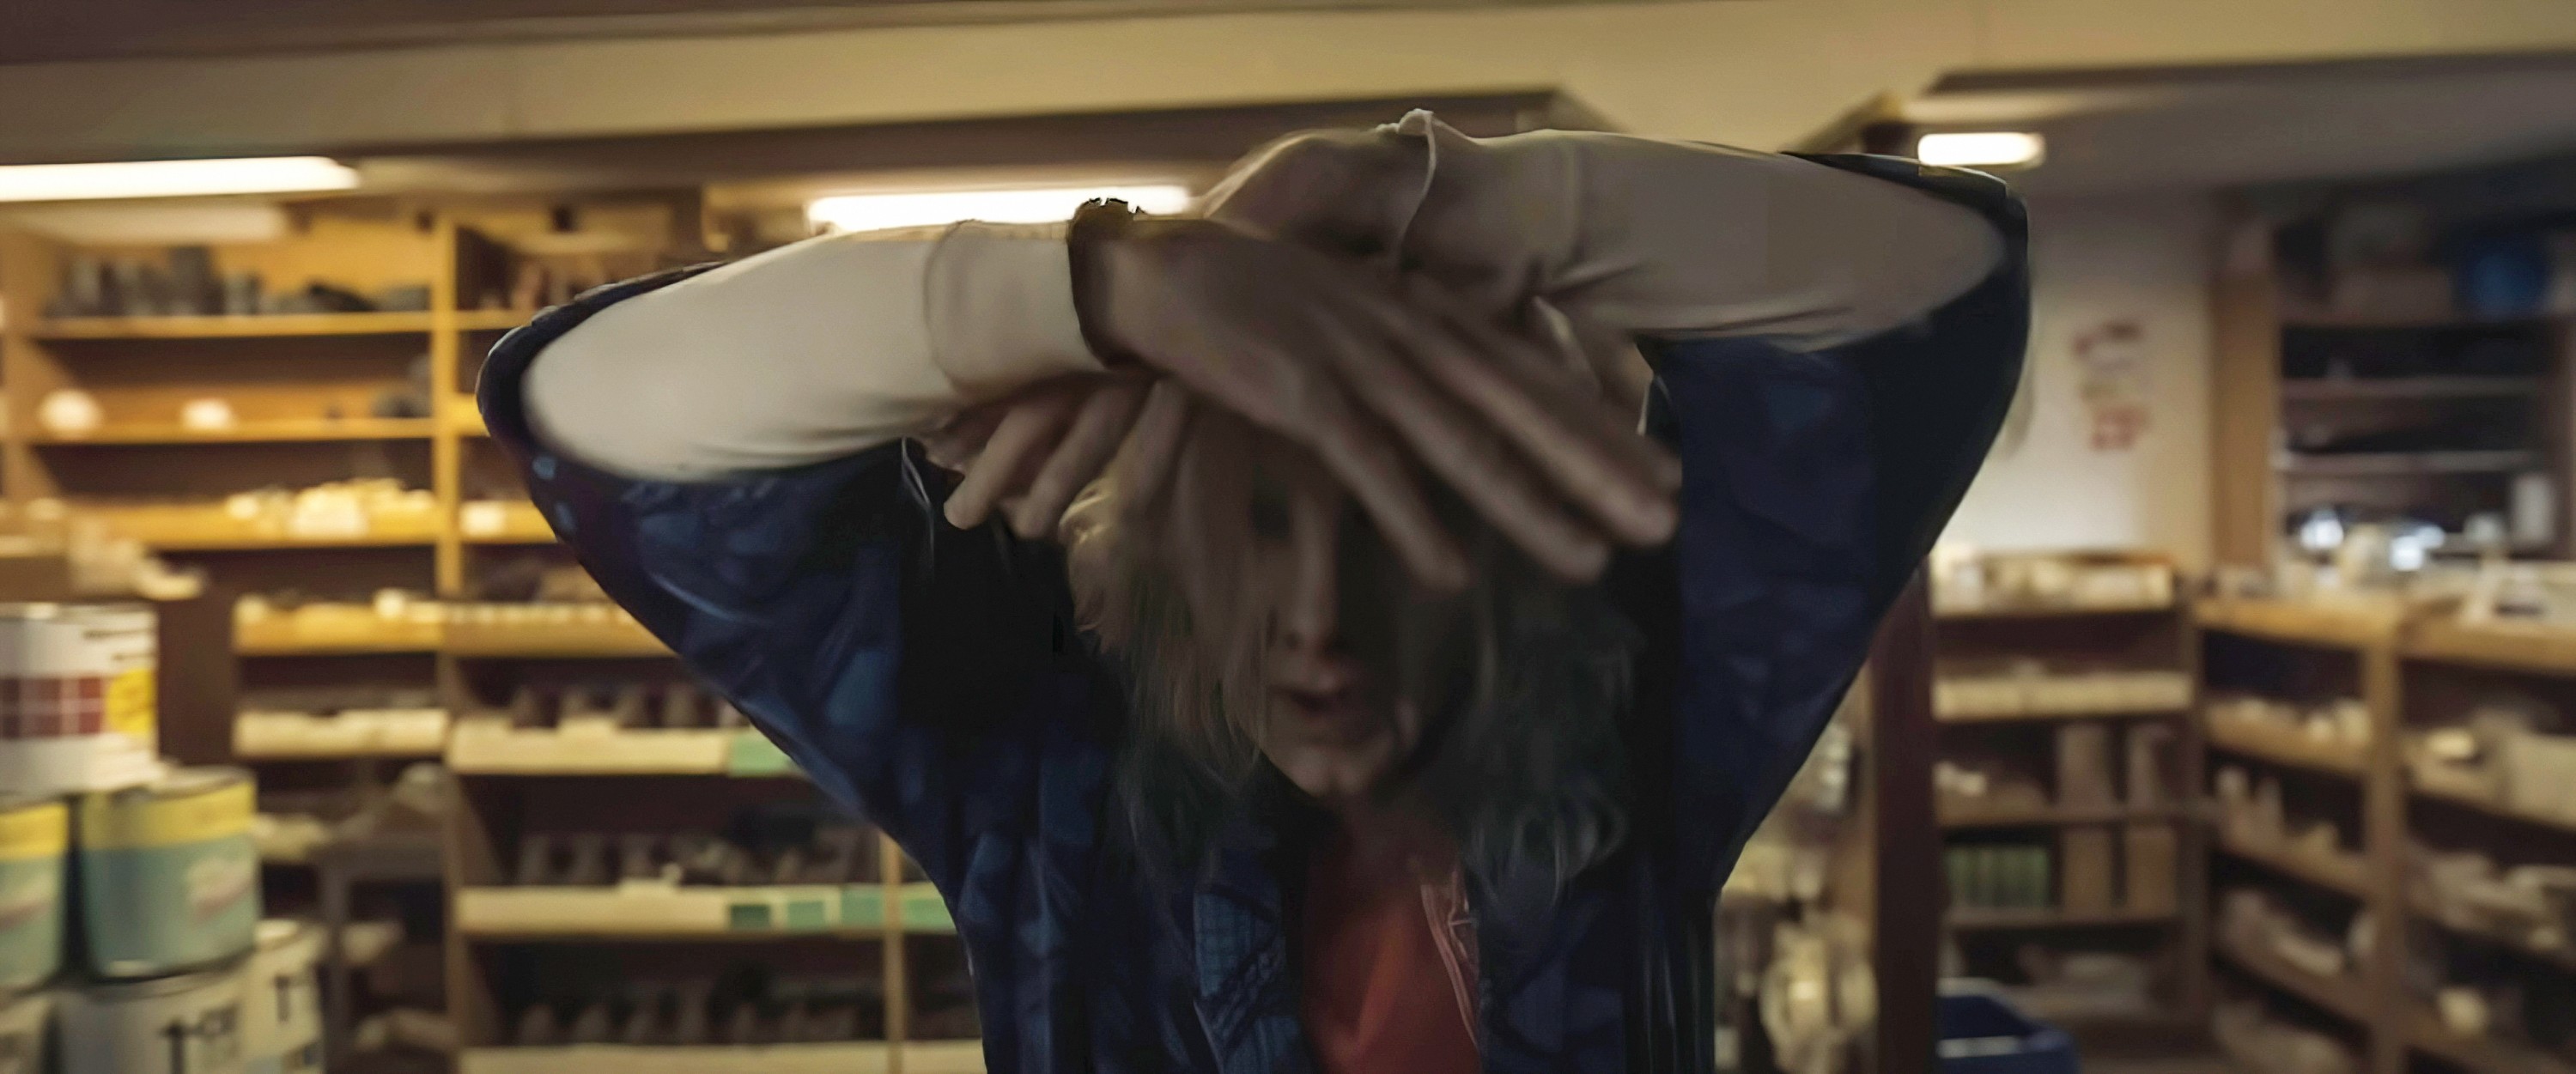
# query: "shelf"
209,528
313,430
1964,699
2348,876
503,522
2054,816
548,632
2047,611
2318,389
2425,1033
664,912
493,747
2561,958
2493,808
2407,463
2341,624
2286,748
2339,996
943,1057
465,417
301,736
334,630
239,327
1968,919
492,320
855,1057
2511,645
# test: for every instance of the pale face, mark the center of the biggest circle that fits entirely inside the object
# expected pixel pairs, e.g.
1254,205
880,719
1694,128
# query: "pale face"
1358,656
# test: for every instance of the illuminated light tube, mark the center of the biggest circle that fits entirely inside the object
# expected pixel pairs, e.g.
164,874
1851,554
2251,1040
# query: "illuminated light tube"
877,212
173,178
1981,149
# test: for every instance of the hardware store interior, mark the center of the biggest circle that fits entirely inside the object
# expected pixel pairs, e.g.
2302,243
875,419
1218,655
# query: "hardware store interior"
2231,723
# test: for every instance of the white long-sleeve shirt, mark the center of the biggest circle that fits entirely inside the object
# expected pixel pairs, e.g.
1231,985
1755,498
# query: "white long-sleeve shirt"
836,344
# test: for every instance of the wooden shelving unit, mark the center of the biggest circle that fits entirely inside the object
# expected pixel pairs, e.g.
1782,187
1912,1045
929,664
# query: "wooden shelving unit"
301,392
2072,711
2383,416
2414,667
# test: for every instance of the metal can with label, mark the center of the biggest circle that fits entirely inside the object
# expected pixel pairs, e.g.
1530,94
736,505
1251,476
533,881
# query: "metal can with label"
23,1036
169,876
34,835
189,1024
281,1002
77,706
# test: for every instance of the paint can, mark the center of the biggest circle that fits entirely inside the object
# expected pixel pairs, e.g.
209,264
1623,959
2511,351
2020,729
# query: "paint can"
281,1001
77,712
34,836
189,1024
23,1036
169,879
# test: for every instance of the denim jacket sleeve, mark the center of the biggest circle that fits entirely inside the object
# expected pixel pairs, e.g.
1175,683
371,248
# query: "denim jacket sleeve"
881,649
1814,482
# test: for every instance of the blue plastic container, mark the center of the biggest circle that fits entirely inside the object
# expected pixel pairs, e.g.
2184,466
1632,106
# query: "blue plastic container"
1985,1035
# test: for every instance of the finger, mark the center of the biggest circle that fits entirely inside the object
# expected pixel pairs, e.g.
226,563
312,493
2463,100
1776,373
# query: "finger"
1094,436
1599,467
954,446
1145,462
1597,384
1474,462
1018,445
1368,464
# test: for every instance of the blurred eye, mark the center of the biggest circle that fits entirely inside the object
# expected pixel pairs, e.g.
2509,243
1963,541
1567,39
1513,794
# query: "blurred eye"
1269,513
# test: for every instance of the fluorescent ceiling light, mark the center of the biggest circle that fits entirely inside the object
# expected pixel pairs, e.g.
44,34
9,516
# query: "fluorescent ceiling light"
173,178
876,212
1981,149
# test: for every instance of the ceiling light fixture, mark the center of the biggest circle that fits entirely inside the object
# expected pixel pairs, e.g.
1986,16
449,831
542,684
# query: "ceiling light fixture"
1981,149
173,178
876,212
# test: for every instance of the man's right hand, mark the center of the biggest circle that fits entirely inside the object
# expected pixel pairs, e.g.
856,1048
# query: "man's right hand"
1362,369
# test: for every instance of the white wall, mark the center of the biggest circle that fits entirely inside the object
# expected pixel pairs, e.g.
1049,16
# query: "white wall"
2095,262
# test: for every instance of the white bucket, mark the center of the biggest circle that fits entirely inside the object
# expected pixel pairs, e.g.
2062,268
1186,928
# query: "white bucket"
22,1033
190,1024
77,711
281,1002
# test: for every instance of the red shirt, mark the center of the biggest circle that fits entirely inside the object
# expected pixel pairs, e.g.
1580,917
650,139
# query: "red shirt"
1390,971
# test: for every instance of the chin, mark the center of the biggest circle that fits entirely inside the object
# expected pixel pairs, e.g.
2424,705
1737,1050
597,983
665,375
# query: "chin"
1338,771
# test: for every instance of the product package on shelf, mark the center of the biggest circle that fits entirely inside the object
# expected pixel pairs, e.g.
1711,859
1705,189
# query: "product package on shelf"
772,870
2086,867
76,698
629,727
2084,767
35,837
169,874
745,1008
1966,582
2154,854
190,1023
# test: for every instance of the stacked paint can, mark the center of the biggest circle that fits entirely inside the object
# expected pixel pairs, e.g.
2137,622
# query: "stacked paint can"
169,876
146,873
76,698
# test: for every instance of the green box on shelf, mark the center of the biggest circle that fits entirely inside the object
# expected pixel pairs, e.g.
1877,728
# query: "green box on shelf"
863,906
925,911
753,754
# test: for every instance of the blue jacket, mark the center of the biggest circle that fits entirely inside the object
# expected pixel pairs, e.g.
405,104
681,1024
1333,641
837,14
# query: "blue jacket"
935,680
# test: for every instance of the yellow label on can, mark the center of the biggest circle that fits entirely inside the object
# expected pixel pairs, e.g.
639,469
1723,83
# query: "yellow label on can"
132,705
135,819
37,830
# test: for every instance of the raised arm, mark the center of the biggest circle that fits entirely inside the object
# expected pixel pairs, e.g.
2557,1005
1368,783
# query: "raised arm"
1833,342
